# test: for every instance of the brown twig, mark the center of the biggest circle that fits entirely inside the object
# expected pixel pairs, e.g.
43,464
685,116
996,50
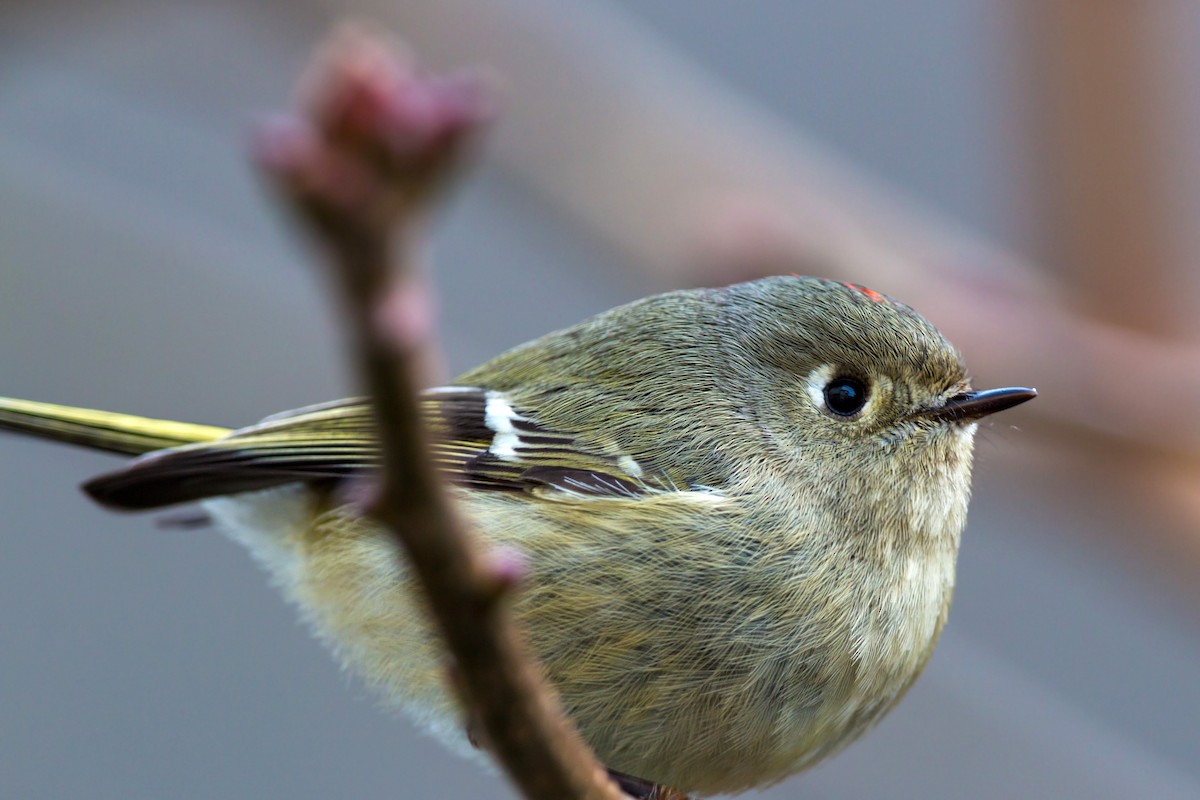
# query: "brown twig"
361,166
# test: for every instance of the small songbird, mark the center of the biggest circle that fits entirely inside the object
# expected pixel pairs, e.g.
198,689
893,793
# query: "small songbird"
739,508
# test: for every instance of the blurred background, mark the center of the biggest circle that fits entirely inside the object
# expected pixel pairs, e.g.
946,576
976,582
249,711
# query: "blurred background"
1024,172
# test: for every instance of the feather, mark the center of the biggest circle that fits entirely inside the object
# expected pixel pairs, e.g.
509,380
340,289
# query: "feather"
480,441
100,430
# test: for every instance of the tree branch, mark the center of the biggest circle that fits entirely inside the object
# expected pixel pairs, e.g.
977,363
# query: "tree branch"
361,166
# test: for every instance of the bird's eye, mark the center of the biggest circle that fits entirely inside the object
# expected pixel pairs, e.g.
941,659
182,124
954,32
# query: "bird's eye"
845,397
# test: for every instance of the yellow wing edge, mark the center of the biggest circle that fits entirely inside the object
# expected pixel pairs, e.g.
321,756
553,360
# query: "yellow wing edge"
101,430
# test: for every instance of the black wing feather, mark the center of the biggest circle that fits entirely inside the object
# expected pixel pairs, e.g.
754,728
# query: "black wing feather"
335,441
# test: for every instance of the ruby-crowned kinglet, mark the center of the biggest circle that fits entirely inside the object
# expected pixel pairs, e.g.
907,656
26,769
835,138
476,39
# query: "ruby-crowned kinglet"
740,510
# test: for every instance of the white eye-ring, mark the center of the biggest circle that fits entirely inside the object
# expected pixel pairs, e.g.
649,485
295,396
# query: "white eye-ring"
837,392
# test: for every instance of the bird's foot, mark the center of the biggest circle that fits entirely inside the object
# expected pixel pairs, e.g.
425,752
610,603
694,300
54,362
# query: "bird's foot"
645,790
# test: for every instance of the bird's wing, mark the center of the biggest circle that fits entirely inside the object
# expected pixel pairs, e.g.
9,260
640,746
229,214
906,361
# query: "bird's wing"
479,440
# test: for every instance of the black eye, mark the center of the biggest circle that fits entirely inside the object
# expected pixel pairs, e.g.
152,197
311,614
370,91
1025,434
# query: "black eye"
845,396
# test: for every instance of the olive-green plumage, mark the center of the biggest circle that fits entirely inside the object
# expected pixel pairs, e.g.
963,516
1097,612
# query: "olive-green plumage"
740,507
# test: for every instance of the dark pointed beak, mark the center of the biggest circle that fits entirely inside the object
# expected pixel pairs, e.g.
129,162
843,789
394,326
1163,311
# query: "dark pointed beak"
971,406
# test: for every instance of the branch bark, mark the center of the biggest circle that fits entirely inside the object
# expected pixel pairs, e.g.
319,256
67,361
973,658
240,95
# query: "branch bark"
362,166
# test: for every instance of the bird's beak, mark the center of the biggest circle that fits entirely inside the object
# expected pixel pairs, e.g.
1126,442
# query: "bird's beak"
974,405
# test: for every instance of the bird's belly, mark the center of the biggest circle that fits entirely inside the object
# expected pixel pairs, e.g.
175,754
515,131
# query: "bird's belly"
892,639
790,709
668,679
349,582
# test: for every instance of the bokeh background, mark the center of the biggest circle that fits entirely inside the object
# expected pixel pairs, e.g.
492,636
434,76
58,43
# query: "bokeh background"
1025,172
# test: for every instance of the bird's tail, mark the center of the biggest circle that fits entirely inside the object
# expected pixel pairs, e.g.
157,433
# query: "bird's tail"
101,430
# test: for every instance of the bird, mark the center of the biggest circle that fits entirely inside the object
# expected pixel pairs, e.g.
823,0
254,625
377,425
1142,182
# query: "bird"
740,509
